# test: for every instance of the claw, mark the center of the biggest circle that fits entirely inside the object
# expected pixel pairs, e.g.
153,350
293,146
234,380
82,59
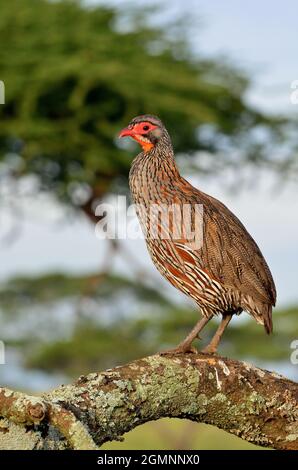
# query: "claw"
208,350
179,350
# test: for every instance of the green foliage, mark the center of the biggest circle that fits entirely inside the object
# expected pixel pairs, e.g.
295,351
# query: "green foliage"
179,434
74,78
102,331
20,291
92,346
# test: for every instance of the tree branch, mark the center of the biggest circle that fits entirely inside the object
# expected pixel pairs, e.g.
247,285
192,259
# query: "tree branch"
254,404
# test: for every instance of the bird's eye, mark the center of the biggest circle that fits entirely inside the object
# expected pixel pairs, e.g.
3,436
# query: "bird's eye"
145,128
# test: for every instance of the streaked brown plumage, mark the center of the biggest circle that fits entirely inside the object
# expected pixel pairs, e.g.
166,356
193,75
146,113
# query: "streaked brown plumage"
228,273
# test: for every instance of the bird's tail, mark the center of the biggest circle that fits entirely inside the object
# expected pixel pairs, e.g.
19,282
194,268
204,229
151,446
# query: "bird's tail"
267,316
262,313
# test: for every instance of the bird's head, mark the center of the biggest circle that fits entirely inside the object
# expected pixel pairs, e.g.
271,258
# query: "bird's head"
147,130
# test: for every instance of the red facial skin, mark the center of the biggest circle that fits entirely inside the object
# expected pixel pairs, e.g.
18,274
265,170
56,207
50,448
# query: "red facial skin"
137,131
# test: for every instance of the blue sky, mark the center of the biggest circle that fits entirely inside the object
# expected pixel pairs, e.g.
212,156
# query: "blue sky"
261,36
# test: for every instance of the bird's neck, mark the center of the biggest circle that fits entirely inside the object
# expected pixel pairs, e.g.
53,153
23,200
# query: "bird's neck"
162,158
159,163
154,174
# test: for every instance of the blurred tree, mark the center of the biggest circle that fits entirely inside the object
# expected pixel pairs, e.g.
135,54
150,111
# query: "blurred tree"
75,74
101,331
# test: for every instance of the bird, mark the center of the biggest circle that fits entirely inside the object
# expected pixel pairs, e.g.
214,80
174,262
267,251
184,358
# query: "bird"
226,273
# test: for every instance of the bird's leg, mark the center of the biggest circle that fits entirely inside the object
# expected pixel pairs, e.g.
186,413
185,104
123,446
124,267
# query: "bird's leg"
185,346
212,346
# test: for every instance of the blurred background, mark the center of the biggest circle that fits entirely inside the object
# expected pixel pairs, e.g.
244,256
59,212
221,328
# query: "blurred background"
221,78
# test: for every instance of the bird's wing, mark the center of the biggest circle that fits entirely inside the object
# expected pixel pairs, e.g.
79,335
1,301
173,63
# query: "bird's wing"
232,255
229,254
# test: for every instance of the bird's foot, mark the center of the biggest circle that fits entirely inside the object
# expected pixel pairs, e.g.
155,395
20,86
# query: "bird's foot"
183,349
209,350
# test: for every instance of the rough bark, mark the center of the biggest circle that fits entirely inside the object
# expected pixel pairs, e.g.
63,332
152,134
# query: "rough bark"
254,404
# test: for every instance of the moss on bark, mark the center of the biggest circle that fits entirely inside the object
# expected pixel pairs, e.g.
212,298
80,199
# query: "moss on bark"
254,404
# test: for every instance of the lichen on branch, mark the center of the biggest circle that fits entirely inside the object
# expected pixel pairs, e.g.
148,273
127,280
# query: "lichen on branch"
254,404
